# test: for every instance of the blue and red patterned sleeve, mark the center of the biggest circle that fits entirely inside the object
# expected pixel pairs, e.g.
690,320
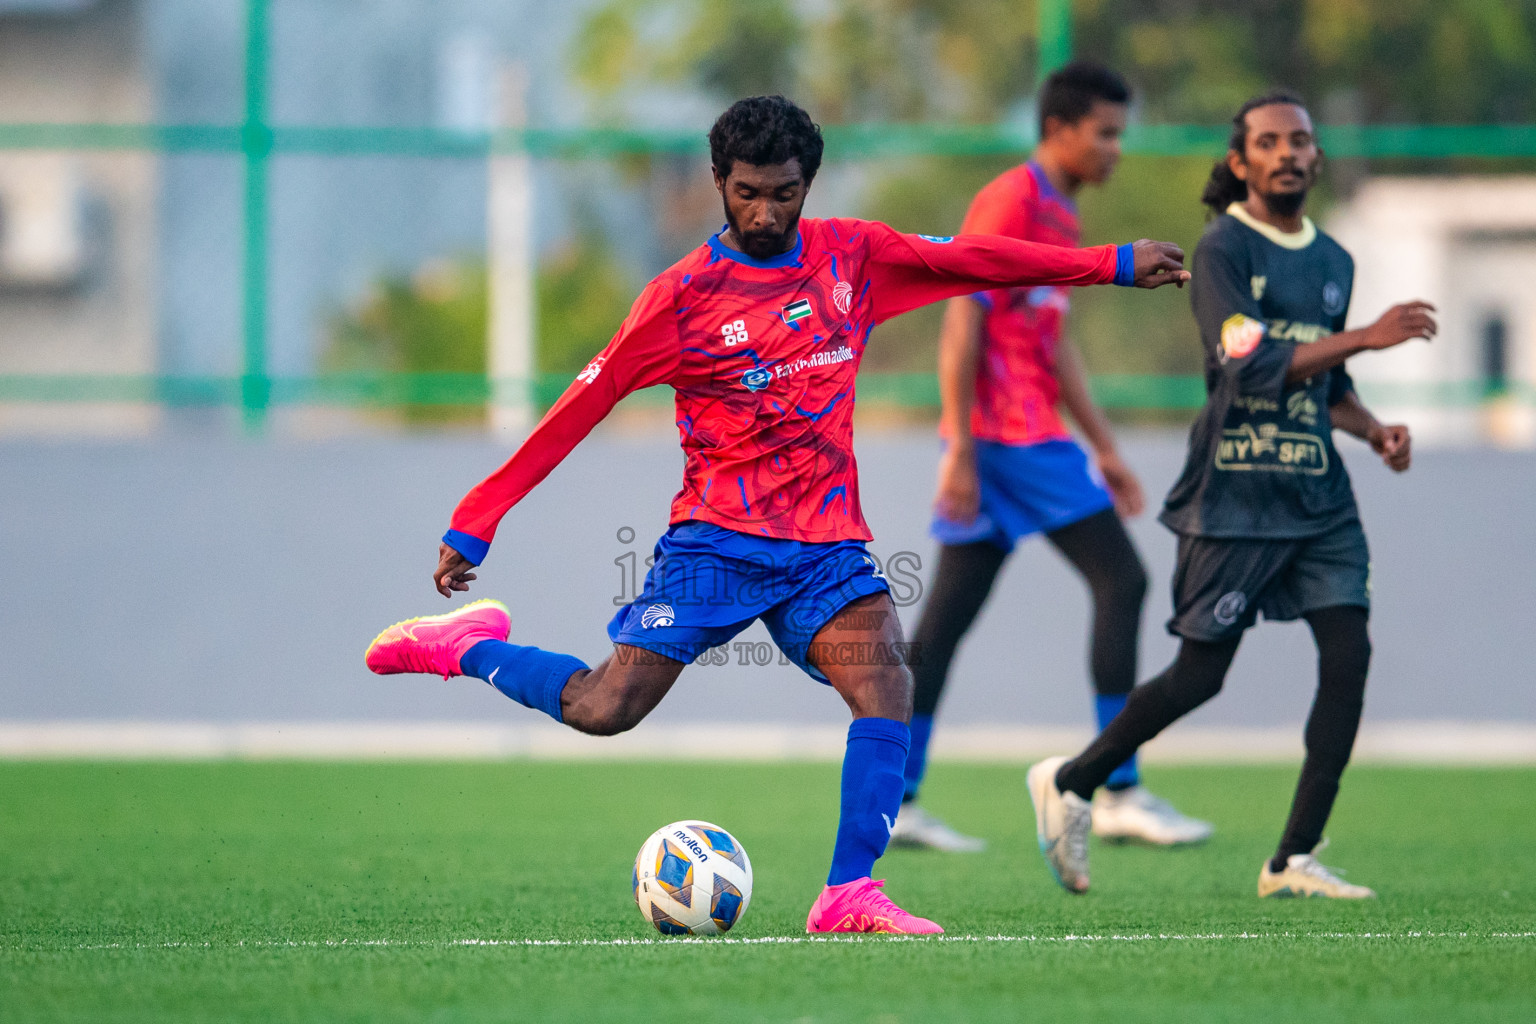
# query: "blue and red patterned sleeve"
908,271
644,352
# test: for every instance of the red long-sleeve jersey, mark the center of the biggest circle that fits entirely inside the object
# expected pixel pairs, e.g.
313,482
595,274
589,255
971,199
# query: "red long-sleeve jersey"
763,356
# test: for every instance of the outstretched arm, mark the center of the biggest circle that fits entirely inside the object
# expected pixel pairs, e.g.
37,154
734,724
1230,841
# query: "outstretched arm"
644,352
909,271
1399,324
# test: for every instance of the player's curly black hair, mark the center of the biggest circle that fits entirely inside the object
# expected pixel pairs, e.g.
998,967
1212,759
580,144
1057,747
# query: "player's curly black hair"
764,130
1225,188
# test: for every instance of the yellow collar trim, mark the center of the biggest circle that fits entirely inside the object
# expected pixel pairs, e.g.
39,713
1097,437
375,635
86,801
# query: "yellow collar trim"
1286,239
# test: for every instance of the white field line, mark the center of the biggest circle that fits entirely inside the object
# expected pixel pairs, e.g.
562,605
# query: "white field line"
1405,742
793,940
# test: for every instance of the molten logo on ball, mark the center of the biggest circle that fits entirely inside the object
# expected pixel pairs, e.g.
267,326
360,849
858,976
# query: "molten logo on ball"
692,878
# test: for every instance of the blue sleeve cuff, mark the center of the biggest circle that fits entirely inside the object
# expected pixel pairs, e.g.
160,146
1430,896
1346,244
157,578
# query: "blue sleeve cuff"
982,299
472,548
1125,265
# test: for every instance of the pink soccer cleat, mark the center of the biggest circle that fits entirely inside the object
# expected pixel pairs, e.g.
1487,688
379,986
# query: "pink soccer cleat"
433,644
860,906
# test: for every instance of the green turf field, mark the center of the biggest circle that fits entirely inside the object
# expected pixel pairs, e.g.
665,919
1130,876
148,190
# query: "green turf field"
265,892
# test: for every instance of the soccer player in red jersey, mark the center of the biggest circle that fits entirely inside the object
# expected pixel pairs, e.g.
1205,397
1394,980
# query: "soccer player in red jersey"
759,331
1011,468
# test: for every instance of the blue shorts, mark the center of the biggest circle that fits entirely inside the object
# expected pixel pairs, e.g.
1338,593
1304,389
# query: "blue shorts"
707,584
1025,489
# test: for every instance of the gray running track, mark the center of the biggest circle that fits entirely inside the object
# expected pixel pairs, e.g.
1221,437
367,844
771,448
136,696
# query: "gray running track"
201,579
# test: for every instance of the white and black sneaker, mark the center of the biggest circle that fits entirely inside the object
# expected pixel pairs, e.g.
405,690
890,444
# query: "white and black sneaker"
915,828
1304,875
1136,815
1062,821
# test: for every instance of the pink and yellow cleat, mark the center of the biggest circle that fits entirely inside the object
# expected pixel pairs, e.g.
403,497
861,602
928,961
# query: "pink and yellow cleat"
860,906
433,644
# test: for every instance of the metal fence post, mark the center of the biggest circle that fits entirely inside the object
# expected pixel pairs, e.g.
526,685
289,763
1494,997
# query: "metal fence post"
255,147
1055,35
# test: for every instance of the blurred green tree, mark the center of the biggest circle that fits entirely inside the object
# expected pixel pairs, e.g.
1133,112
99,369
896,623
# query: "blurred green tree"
583,296
1194,60
434,322
430,322
846,59
1357,61
1374,61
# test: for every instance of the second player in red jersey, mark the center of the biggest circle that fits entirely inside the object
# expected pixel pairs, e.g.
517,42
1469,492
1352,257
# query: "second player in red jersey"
1010,467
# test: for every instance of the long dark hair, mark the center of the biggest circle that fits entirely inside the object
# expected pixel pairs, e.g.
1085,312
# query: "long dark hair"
1225,188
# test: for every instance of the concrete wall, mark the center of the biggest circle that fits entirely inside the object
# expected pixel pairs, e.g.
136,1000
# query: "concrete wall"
220,581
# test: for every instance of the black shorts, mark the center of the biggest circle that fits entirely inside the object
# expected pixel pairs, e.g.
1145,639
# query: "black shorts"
1221,585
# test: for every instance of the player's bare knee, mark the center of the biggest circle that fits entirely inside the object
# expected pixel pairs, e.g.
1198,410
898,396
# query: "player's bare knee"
881,691
608,720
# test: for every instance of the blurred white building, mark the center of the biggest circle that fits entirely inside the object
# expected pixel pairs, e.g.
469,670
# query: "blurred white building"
77,229
1468,245
122,263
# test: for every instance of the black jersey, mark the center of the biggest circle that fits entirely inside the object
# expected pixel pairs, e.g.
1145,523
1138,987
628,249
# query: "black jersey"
1261,458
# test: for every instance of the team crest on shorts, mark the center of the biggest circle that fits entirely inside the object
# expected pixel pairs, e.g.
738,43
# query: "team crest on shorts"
657,615
938,239
1231,607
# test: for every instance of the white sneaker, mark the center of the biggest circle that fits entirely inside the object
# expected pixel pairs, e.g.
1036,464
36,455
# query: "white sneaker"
916,828
1135,815
1062,821
1305,876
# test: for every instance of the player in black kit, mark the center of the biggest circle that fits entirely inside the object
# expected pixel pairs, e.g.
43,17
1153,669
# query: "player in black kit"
1264,511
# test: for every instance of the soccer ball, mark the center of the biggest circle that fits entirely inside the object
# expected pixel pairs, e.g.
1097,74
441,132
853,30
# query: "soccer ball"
692,878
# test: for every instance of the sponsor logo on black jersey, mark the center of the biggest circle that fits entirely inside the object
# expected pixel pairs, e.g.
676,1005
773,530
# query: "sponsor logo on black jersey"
1240,335
1295,330
1270,449
1301,408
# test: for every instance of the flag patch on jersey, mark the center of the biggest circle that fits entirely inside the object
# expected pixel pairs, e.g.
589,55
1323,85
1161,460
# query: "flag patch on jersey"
797,310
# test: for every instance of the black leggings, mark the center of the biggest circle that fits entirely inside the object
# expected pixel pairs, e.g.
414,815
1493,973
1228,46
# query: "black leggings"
1196,675
1098,547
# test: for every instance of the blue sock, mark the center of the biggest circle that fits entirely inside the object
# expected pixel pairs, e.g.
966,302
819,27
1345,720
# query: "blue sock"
533,678
1107,706
872,786
917,757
